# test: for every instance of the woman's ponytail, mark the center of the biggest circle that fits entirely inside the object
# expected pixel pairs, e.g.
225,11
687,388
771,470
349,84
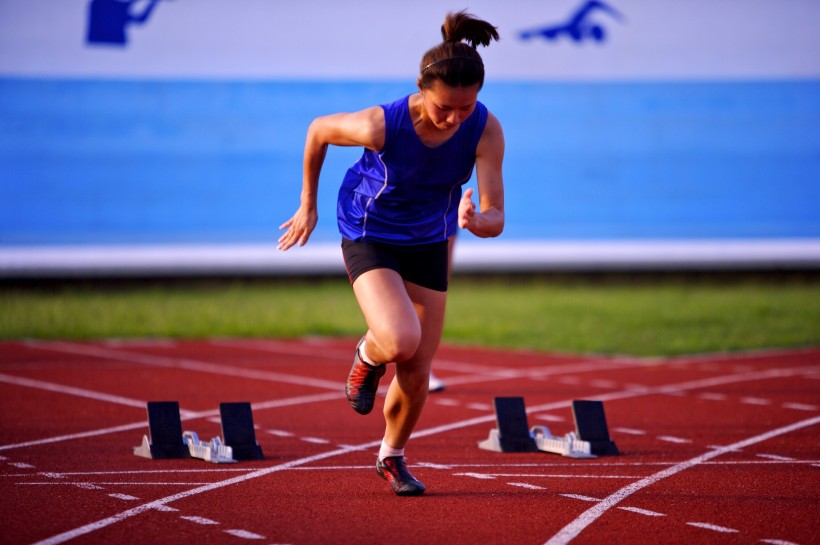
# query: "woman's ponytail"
455,61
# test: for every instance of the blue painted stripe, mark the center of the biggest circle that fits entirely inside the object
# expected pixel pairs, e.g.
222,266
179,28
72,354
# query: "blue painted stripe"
85,161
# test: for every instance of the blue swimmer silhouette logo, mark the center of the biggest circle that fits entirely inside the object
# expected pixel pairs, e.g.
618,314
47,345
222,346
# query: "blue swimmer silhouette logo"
579,27
109,19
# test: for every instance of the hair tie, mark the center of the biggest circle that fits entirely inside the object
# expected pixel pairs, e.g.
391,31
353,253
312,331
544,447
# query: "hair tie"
453,59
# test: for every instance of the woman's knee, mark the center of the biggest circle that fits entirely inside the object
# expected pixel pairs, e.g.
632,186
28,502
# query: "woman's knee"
400,344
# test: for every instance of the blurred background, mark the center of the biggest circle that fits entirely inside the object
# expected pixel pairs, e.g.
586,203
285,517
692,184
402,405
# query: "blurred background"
165,137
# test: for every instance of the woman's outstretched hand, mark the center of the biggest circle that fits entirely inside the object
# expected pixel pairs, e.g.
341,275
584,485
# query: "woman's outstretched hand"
299,228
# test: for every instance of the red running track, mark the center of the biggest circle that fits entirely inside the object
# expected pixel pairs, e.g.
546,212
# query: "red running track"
715,449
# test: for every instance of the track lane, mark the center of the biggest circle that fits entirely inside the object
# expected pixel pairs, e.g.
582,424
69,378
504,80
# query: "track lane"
431,450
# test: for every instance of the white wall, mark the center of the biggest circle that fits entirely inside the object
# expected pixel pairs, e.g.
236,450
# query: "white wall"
657,39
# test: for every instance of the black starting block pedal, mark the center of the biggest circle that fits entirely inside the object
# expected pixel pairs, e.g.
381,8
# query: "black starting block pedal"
165,430
238,431
513,434
590,425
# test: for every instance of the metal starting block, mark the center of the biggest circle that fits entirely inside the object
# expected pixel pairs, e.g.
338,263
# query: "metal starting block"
213,451
568,445
166,440
591,435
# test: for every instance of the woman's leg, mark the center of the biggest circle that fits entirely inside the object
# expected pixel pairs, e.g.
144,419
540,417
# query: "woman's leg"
408,391
404,322
394,331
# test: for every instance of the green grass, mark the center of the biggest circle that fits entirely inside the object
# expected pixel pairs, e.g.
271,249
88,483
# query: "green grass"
592,315
660,318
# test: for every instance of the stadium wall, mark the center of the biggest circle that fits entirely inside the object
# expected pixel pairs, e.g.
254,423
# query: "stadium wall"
639,134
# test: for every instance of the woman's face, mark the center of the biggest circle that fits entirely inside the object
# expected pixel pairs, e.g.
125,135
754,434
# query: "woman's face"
446,106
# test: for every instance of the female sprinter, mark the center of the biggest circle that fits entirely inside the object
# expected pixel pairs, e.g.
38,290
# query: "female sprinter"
398,207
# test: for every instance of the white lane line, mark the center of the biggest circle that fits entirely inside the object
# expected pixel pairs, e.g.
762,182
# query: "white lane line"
268,345
84,486
479,406
571,530
640,511
674,393
199,520
447,402
777,542
299,400
556,476
184,415
161,503
285,348
432,465
755,401
723,447
800,406
776,457
580,497
483,476
215,469
81,435
713,527
70,390
527,486
124,497
476,372
244,534
584,366
315,440
550,418
280,433
629,431
586,467
164,508
673,439
98,485
184,363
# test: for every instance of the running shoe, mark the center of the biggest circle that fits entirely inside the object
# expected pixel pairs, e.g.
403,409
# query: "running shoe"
362,383
436,384
393,469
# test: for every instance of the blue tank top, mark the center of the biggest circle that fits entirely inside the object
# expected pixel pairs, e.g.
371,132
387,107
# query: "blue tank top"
407,192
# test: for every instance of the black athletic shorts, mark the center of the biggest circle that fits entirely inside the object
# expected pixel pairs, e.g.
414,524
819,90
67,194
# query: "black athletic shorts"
423,264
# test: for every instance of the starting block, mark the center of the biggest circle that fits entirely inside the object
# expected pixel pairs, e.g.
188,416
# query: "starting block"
238,431
568,445
168,441
590,425
165,430
512,434
591,435
214,451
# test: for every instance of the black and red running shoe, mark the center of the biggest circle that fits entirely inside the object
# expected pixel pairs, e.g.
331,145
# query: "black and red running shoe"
362,383
393,469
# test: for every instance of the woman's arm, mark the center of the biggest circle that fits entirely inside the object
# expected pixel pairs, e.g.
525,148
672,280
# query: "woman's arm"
489,222
364,128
